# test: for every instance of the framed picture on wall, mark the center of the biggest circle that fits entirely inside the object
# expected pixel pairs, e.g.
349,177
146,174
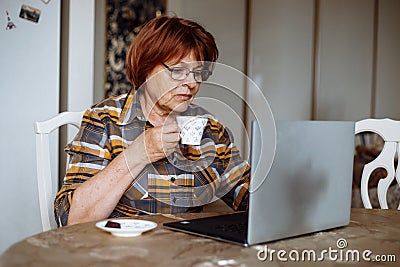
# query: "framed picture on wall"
124,21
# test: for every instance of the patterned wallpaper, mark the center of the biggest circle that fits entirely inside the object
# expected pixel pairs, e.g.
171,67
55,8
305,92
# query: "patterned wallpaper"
124,20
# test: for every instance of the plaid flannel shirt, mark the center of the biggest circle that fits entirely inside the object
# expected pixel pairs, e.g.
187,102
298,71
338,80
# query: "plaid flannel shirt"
190,177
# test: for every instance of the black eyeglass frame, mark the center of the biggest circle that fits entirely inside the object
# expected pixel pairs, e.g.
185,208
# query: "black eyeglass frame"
199,75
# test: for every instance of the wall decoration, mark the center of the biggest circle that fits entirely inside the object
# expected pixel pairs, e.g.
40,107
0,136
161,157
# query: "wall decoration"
10,24
30,13
124,21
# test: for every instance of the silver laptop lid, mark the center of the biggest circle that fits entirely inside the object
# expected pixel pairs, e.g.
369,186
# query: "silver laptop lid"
308,187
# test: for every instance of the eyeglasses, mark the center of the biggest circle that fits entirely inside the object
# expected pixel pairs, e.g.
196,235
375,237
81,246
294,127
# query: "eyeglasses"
181,73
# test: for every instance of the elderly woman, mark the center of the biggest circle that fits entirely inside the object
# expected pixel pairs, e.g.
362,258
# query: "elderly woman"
127,158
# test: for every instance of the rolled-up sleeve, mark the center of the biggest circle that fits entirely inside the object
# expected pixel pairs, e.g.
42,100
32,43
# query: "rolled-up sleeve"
88,154
234,173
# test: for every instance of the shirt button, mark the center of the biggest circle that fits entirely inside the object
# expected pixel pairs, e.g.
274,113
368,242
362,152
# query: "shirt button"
172,179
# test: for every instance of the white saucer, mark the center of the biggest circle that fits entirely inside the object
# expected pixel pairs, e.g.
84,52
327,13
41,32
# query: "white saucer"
129,227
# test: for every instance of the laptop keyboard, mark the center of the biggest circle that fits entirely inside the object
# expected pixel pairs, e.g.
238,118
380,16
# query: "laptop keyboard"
233,227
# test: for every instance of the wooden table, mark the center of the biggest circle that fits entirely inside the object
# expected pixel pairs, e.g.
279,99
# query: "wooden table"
377,231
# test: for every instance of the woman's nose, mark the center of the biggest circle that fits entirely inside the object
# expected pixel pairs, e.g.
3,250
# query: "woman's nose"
190,81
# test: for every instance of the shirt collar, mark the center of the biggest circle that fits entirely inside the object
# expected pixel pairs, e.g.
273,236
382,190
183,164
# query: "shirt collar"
131,108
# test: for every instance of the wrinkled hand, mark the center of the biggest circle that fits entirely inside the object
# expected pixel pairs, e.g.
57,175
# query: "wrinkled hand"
161,141
155,143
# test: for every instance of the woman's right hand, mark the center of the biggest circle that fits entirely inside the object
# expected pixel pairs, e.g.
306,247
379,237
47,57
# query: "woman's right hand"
155,143
161,141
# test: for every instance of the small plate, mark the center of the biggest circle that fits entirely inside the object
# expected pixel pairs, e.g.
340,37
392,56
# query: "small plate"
129,227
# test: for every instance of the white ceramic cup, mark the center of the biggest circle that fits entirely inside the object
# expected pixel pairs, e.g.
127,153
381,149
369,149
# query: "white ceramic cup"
191,129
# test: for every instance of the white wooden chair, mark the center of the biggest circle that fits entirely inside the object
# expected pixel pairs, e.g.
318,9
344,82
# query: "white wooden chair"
389,130
46,187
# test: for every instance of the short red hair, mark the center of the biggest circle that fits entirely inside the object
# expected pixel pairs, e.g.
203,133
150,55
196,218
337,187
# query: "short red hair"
167,38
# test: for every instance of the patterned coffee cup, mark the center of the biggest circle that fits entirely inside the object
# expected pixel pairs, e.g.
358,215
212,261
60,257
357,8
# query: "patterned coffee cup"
191,129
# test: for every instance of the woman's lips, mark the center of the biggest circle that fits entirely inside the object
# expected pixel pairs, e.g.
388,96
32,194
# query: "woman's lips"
184,97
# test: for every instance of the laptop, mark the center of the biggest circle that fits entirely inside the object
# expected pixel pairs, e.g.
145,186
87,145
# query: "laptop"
307,188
